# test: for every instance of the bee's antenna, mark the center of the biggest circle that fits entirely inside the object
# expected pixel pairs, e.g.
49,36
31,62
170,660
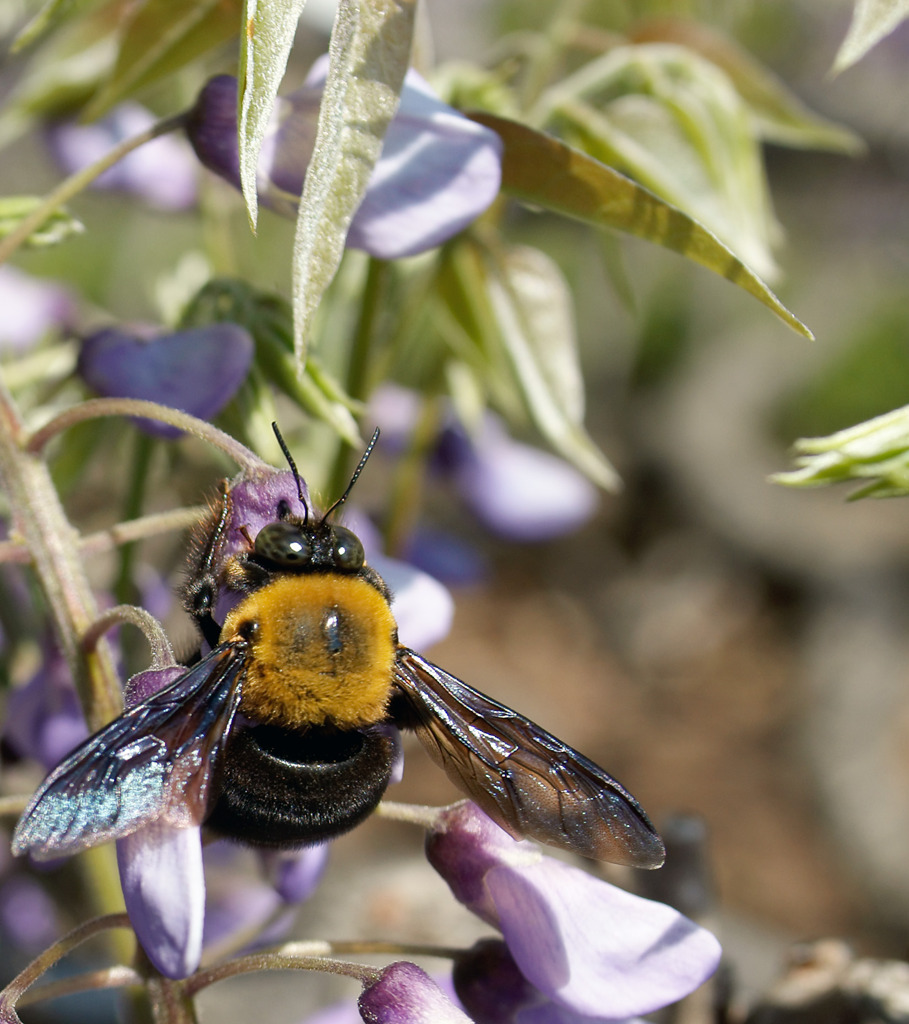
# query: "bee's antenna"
356,473
293,468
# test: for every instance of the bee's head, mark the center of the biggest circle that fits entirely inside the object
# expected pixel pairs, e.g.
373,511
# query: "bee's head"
298,545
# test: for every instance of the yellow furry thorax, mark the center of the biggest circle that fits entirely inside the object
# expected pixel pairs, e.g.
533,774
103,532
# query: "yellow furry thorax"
322,650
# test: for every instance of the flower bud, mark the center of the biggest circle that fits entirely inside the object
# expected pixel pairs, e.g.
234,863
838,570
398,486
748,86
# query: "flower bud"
406,995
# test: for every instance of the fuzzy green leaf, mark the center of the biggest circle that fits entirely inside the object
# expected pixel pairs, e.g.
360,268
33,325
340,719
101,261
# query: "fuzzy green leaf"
368,58
673,122
264,49
534,313
544,172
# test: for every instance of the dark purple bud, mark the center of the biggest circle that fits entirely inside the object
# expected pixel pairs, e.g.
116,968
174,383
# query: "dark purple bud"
490,985
143,684
406,995
212,128
197,371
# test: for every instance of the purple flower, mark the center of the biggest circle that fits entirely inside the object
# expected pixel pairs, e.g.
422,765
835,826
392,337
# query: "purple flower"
162,171
404,994
31,307
197,370
516,491
586,946
437,173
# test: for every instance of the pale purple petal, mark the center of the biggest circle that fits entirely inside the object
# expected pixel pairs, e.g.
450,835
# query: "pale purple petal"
595,948
404,994
587,945
164,889
31,307
339,1013
162,171
438,172
295,874
491,988
197,371
396,411
521,492
446,557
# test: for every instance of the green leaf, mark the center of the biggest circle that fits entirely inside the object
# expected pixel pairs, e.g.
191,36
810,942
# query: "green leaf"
368,58
871,21
876,451
160,37
264,48
780,115
534,313
57,228
674,122
544,172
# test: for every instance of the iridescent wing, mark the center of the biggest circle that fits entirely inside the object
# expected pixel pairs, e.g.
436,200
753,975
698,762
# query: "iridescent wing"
154,762
530,783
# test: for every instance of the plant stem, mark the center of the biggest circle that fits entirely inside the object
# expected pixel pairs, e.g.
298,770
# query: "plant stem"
44,961
95,408
109,977
41,523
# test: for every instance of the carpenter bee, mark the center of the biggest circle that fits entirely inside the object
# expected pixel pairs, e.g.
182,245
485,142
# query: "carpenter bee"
283,734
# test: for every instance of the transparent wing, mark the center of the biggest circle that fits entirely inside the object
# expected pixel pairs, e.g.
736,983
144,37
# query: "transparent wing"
529,782
153,762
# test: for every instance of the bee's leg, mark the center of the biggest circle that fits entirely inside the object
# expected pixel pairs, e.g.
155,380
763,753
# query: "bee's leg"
201,596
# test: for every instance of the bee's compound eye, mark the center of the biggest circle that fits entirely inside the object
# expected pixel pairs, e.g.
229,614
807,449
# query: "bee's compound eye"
284,544
346,549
